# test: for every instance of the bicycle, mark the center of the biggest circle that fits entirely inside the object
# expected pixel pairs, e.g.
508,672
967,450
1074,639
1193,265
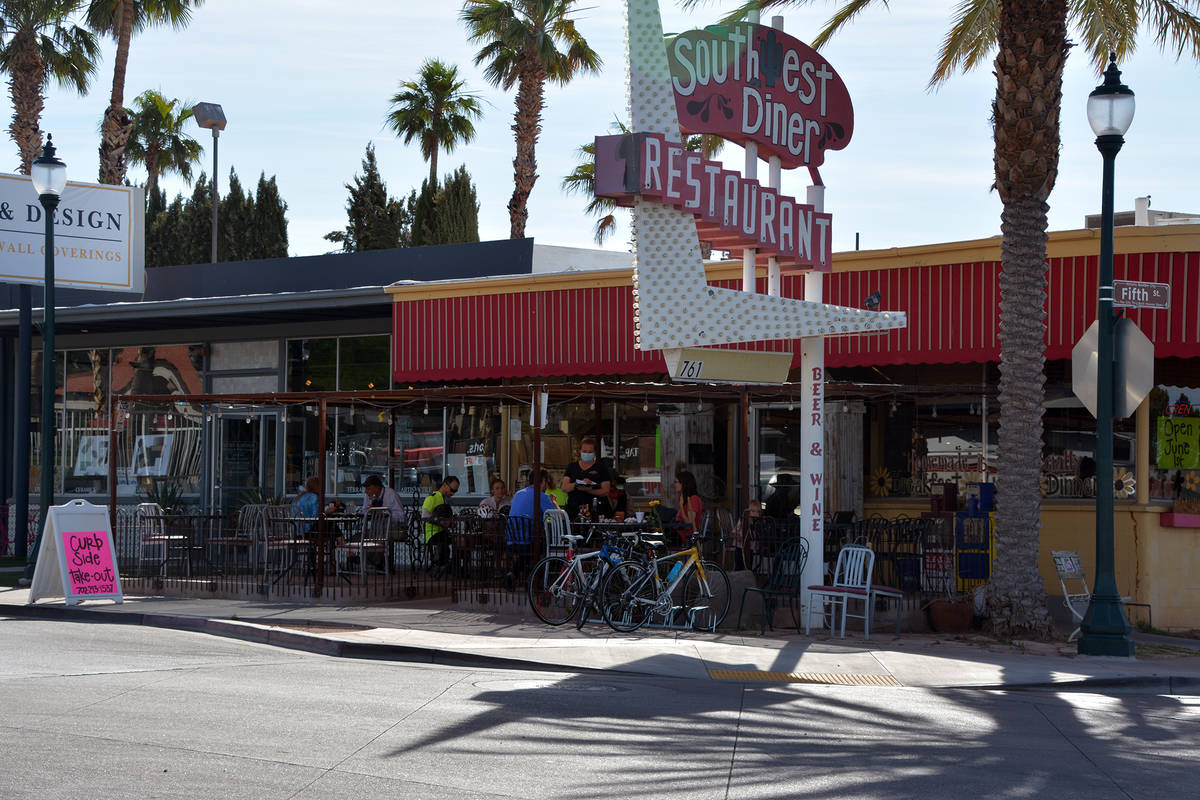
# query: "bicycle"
635,592
561,587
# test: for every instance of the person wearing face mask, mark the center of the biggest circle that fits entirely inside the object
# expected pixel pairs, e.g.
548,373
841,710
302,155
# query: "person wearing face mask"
586,479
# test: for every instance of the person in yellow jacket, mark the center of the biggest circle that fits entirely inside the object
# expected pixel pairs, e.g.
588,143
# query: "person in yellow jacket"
436,513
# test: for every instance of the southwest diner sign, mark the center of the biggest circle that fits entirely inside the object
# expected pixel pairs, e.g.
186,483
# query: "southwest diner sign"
99,236
755,83
669,189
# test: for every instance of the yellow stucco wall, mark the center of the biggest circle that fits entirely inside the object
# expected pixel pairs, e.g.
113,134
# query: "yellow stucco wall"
1155,564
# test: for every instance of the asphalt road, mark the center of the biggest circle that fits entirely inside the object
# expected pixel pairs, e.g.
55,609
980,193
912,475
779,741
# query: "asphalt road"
111,711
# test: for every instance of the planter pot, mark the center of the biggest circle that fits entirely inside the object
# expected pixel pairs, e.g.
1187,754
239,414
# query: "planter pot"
950,616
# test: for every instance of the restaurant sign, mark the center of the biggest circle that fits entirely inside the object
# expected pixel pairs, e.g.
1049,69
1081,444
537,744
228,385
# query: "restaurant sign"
99,236
754,83
734,209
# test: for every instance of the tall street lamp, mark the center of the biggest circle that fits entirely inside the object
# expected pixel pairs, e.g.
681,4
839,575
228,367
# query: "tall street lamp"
1105,630
49,179
211,116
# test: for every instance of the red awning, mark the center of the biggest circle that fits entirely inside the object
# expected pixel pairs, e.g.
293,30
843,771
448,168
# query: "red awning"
953,316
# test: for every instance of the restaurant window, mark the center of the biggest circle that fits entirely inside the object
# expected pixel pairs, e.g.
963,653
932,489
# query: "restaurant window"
345,363
159,454
638,455
83,434
364,363
360,447
912,446
1069,454
779,457
1175,447
312,365
418,451
472,439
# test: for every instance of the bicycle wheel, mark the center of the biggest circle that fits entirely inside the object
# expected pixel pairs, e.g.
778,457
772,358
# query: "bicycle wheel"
554,590
625,599
706,606
592,581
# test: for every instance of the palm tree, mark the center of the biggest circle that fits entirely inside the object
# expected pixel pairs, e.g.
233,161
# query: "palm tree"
121,19
1030,38
520,46
157,140
37,43
435,111
582,179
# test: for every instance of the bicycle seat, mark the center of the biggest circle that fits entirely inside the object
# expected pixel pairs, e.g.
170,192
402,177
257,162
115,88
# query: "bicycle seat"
574,538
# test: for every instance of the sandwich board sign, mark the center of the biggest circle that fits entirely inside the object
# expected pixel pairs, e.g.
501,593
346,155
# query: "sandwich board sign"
77,560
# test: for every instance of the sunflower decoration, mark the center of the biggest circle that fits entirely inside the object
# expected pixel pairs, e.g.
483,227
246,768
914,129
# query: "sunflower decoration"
881,482
1191,481
1124,484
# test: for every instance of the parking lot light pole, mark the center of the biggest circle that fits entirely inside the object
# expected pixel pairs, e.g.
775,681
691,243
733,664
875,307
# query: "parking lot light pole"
49,179
1105,629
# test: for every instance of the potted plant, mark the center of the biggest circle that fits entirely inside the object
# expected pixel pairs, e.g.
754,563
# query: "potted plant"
951,614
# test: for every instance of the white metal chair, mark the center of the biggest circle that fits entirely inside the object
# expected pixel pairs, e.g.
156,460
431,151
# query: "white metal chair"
851,581
1076,594
557,527
372,538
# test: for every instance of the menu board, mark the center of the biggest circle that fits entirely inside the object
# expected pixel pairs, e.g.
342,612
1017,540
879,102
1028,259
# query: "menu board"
77,560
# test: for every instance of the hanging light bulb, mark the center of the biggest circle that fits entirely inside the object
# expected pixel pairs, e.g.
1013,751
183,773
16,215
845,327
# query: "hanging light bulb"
892,410
791,404
845,407
426,412
934,412
645,404
592,403
462,409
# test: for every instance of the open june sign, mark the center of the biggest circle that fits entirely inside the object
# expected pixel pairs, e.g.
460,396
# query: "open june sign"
1178,443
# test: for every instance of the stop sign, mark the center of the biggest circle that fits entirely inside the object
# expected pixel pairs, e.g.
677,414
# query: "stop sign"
1133,367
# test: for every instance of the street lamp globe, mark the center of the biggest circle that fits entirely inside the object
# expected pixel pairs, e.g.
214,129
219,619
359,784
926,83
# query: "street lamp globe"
49,174
1110,105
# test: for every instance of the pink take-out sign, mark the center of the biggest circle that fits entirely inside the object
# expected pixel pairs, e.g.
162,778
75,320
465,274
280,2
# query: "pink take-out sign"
89,562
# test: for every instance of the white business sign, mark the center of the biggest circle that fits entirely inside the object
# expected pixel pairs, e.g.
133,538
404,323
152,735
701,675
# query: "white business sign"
99,236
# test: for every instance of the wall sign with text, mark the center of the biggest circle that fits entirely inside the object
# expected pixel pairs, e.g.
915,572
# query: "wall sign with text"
99,236
1178,443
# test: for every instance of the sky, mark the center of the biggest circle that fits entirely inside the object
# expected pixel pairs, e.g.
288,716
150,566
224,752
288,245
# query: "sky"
305,87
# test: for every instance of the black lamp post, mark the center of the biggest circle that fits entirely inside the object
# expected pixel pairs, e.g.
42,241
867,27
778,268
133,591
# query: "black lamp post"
49,179
1105,630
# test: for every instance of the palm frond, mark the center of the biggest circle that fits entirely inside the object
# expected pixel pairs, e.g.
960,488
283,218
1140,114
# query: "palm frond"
969,41
1173,25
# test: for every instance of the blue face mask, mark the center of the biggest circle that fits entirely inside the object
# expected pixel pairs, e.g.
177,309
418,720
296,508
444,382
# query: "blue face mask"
587,458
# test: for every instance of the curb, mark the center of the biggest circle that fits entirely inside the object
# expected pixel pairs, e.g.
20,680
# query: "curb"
1159,684
258,633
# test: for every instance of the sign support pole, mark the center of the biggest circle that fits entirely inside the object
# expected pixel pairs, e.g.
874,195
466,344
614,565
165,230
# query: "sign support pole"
812,427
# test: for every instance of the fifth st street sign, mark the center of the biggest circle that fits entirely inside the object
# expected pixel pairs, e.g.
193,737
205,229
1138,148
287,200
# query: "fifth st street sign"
1136,294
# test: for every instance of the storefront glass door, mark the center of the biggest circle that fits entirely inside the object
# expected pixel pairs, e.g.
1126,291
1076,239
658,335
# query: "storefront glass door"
244,463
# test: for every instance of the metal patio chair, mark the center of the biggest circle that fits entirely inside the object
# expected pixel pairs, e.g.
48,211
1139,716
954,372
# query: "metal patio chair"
851,581
787,572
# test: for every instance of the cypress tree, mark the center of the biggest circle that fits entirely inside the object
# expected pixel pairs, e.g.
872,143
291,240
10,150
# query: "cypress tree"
375,221
270,220
456,217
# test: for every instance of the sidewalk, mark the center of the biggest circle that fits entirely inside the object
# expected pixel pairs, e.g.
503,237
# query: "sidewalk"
430,633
